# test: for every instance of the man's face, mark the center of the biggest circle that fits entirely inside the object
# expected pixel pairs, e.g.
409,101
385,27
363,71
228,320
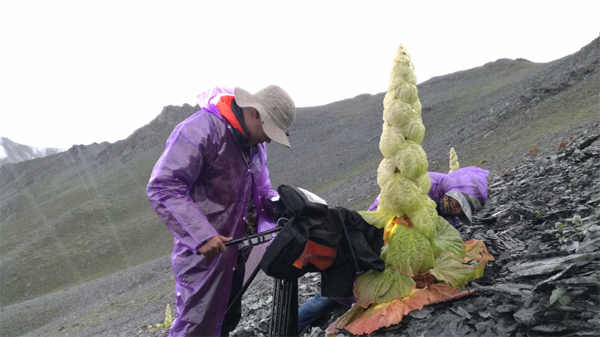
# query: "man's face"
254,125
456,208
449,205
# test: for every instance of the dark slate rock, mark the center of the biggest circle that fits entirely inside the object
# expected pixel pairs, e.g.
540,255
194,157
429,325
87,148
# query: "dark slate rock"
529,316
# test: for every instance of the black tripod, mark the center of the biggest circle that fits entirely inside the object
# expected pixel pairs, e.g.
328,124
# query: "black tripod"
284,310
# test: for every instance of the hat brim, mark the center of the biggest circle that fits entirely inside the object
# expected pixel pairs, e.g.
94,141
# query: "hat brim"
465,215
464,219
245,99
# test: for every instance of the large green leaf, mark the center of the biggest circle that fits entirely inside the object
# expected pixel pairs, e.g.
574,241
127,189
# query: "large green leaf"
447,239
400,195
414,130
368,285
425,221
411,78
407,92
384,171
378,218
375,287
424,183
398,113
402,72
408,250
417,107
411,160
452,271
400,286
391,140
394,83
400,69
428,202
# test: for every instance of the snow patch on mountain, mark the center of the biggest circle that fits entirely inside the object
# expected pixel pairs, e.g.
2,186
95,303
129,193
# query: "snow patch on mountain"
11,152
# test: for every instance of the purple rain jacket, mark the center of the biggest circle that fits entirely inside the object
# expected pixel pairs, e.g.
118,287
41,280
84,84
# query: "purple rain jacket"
470,180
200,187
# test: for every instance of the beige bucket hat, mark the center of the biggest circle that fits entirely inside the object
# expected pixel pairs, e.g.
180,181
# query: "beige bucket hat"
276,108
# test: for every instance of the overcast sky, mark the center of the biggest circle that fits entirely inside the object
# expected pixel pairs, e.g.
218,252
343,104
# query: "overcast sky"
81,72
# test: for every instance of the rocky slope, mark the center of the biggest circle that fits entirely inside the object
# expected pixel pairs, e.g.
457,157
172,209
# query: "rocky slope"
542,223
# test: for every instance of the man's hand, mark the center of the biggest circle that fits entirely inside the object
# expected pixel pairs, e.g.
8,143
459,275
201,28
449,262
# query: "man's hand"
214,247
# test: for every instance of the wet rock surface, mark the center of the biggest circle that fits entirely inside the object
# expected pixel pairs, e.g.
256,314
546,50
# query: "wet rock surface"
542,223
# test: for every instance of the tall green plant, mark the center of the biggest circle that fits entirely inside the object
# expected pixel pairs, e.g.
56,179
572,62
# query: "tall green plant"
420,246
454,165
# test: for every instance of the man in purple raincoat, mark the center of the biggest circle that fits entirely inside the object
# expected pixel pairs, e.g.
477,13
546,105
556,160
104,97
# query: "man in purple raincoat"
211,185
458,195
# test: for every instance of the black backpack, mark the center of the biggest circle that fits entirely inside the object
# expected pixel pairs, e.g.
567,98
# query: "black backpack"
356,243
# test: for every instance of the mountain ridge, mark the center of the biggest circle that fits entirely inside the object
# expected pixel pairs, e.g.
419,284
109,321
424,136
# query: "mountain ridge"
13,152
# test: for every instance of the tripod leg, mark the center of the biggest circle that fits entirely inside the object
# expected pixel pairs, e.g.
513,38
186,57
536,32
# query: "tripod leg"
276,308
291,321
245,287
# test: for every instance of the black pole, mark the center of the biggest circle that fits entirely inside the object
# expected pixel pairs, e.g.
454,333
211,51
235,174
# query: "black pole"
274,308
245,287
257,235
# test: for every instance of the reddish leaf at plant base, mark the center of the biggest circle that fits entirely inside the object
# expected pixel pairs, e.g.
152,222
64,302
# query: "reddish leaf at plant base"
477,251
440,292
384,315
391,313
345,319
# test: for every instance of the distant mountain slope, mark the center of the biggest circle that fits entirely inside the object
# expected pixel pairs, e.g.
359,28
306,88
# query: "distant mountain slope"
82,214
11,152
